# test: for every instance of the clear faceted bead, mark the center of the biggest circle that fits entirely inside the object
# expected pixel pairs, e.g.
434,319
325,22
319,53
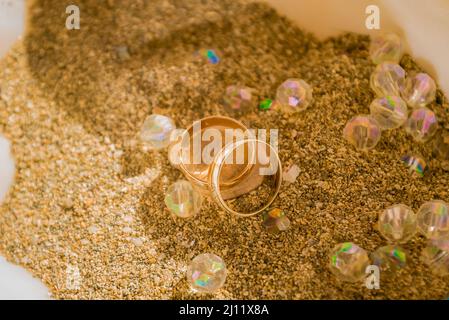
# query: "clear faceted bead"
420,90
389,258
436,256
348,262
276,221
294,95
156,131
363,132
422,124
441,145
390,112
238,99
388,79
182,199
397,223
206,273
386,47
416,165
433,219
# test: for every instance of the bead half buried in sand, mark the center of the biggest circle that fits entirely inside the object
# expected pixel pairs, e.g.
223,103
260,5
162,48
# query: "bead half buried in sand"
211,55
275,221
389,258
294,95
420,90
436,256
238,99
363,132
206,273
422,124
391,112
266,104
397,223
182,199
156,131
433,219
386,47
388,79
441,145
348,262
417,165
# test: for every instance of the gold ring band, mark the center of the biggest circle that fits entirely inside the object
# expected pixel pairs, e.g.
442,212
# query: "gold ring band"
214,177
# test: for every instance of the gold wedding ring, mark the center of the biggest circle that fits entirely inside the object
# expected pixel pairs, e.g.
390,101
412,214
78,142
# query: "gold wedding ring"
217,167
219,179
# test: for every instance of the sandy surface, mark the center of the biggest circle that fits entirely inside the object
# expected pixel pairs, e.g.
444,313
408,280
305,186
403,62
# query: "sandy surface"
86,212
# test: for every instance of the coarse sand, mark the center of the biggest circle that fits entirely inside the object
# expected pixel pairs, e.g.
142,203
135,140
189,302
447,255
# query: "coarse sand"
86,212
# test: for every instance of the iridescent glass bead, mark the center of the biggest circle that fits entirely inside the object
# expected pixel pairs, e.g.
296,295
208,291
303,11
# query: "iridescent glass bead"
238,99
294,95
389,258
275,221
182,199
156,131
433,219
348,262
210,55
436,256
397,223
388,79
420,90
422,124
386,47
390,112
363,132
206,273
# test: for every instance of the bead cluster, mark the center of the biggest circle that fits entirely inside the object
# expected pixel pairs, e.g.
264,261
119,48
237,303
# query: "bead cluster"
292,96
395,91
398,224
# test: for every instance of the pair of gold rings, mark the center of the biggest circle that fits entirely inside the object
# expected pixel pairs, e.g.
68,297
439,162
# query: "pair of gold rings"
224,179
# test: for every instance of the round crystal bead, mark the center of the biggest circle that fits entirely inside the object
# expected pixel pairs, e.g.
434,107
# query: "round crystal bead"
363,132
420,90
238,99
388,79
182,199
206,273
276,221
348,262
156,131
436,256
294,95
389,258
422,124
433,219
397,223
386,47
390,112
